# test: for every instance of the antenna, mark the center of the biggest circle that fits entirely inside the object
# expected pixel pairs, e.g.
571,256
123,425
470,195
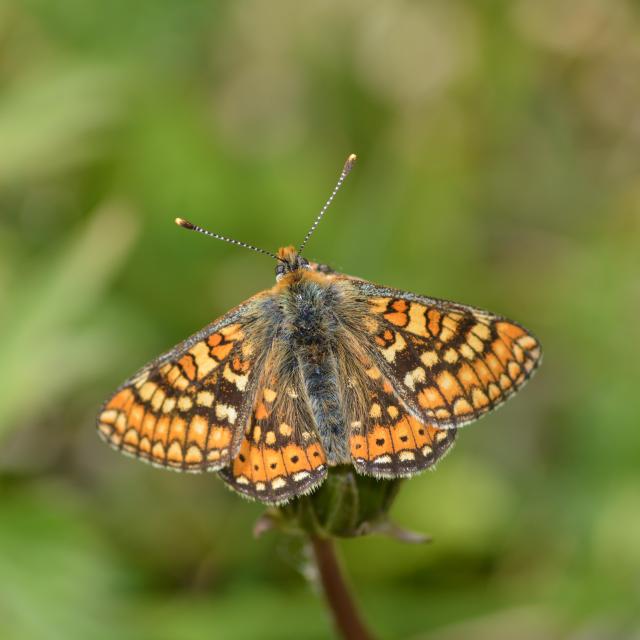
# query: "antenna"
348,165
185,224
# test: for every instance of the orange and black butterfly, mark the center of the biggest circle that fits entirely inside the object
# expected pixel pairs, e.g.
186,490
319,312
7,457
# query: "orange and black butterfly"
322,369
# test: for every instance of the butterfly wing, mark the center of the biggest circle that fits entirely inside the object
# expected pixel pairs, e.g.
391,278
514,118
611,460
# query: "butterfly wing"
280,456
449,363
187,410
388,441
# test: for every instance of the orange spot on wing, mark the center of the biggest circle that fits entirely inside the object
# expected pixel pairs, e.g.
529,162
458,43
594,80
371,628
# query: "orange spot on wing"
274,464
172,374
241,465
162,429
174,453
219,437
358,446
181,383
258,472
494,391
402,435
499,348
178,429
449,386
198,429
467,376
136,416
450,323
158,452
509,330
315,455
484,373
122,400
188,366
494,364
419,432
131,437
480,399
379,441
399,305
399,319
462,407
240,365
193,456
148,424
434,322
295,459
513,369
222,351
214,340
430,398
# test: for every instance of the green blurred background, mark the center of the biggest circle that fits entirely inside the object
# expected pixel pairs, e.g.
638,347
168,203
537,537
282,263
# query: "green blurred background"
499,164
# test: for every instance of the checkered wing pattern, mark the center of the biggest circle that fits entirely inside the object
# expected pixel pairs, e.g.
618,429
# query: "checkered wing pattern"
280,456
450,363
388,441
186,410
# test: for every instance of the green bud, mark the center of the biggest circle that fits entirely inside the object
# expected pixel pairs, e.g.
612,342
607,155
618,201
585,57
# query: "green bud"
346,505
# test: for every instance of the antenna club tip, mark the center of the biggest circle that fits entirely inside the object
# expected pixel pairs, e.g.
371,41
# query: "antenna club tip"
181,222
348,165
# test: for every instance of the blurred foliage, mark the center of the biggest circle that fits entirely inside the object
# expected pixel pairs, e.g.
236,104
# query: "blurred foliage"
499,147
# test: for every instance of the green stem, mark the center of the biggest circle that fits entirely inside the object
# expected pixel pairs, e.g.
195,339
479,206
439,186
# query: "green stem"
345,613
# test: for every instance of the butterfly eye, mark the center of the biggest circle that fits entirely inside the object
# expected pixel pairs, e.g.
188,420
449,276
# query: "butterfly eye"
281,269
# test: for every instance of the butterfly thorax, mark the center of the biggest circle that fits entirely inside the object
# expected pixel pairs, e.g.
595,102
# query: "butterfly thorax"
309,333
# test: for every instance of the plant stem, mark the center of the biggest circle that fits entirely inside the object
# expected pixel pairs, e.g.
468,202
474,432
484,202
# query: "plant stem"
343,608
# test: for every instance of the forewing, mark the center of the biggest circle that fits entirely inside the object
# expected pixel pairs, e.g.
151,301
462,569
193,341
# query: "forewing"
187,409
281,456
450,363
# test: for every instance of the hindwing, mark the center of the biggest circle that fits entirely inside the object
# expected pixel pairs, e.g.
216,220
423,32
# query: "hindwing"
281,455
387,441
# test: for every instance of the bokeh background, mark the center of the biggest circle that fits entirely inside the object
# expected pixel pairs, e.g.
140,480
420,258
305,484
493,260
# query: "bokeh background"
499,165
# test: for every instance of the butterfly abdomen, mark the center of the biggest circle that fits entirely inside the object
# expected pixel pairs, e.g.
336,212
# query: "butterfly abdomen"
311,329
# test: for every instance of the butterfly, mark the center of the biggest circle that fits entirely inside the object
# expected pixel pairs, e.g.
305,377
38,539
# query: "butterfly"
323,369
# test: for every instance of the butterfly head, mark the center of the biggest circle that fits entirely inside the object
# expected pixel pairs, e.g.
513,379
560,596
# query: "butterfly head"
289,261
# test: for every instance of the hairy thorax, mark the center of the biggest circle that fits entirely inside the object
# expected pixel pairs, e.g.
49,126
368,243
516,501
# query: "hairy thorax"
317,311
